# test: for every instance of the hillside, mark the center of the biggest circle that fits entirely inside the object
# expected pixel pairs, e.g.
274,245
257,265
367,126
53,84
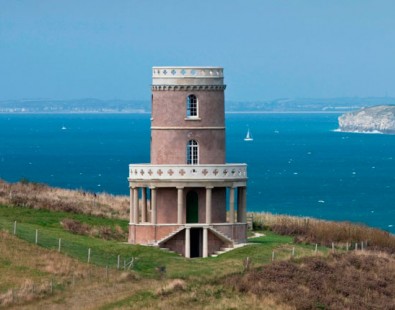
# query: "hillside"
295,262
280,105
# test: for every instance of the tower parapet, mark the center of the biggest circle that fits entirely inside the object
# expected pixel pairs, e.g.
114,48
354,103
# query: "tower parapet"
188,78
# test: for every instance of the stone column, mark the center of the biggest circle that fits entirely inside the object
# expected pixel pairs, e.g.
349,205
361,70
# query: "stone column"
131,206
240,204
244,213
143,205
232,205
180,204
205,241
188,242
208,204
153,206
136,205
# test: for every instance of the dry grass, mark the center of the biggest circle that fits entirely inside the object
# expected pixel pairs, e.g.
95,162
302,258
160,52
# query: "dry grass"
41,196
29,269
325,232
342,281
26,273
103,232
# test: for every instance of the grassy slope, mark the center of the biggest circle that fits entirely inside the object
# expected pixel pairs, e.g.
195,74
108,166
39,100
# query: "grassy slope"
197,272
207,283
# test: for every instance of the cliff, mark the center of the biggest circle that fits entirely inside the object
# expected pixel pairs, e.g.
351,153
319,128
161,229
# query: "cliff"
380,119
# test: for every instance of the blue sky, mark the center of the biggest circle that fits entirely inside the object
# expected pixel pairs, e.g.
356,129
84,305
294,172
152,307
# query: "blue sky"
269,48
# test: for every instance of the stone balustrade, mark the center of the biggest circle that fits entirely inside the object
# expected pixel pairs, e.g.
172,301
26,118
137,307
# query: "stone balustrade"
185,72
187,172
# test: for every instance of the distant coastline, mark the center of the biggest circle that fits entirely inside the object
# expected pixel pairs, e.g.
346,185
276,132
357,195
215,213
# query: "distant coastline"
117,106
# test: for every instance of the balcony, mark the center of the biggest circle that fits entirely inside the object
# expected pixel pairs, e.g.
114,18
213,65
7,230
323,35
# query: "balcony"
227,172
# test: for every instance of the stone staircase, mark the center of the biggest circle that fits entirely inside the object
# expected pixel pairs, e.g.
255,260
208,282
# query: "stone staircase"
222,236
169,236
224,250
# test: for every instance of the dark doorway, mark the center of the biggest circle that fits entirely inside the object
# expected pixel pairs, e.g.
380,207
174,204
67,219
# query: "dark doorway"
196,242
192,207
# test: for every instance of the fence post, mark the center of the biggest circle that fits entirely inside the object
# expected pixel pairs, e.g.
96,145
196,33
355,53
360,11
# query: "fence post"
362,245
51,286
89,255
347,246
316,248
356,246
333,247
36,236
14,227
293,251
119,261
60,244
272,256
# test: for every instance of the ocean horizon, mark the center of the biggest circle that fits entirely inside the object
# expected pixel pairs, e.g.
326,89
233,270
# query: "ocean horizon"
298,163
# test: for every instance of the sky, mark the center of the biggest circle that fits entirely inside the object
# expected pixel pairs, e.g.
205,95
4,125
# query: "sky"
70,49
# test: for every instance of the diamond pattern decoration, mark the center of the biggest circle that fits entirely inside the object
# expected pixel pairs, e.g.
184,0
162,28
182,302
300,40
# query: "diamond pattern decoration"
205,172
215,171
173,72
183,72
150,172
165,72
142,172
160,172
170,172
182,172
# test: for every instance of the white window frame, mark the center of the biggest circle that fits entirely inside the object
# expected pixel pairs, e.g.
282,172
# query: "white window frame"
190,107
192,152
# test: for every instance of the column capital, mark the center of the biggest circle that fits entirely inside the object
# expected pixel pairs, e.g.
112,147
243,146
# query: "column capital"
152,187
209,187
180,187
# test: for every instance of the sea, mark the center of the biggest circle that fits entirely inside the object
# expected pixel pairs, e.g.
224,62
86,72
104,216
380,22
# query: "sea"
298,164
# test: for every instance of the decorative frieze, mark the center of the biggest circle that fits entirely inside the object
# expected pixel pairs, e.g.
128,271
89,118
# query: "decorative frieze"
187,172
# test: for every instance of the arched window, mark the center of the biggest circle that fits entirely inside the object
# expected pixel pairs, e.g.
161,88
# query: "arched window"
192,152
192,106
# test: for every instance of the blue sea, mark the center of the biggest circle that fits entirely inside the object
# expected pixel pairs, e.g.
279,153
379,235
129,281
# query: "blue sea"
297,163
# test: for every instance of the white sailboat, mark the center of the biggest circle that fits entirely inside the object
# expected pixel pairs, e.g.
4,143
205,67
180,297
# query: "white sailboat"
248,136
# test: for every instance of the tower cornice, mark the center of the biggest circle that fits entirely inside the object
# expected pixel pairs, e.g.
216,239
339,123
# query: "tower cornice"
188,87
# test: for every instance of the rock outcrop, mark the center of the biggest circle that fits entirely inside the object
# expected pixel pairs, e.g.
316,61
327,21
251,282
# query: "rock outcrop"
380,119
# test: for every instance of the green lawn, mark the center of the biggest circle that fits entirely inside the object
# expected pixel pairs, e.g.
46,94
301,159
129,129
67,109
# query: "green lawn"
105,252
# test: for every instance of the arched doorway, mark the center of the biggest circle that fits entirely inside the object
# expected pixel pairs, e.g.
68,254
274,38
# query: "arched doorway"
192,207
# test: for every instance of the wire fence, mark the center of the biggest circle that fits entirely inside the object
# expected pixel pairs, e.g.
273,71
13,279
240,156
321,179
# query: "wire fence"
92,255
32,290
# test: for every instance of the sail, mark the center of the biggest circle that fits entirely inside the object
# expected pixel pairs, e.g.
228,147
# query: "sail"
248,136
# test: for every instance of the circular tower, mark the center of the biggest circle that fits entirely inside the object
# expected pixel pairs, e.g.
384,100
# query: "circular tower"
178,201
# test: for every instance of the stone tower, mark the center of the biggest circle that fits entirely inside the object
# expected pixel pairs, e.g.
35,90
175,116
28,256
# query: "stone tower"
179,200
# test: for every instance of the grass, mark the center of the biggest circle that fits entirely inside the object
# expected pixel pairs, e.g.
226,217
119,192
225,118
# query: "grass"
224,282
362,280
197,273
309,230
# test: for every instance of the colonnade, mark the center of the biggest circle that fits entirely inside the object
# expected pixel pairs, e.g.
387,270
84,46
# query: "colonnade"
134,216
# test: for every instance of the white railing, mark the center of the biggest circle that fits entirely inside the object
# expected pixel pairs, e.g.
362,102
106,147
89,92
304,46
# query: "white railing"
188,172
181,72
